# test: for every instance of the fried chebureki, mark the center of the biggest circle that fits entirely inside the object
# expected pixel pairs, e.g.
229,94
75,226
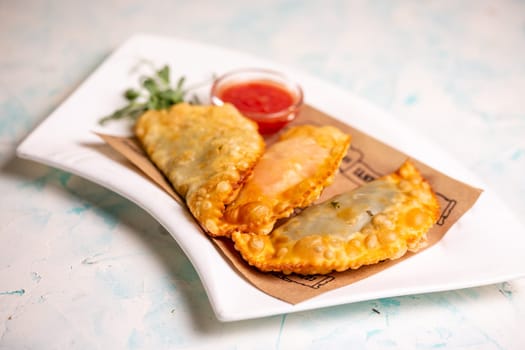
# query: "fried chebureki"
291,174
206,152
378,221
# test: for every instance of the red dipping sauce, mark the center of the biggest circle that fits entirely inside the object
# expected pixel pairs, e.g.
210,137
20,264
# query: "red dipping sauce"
266,97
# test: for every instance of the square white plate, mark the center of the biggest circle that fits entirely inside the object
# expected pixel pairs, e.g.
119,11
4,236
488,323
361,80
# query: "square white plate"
483,247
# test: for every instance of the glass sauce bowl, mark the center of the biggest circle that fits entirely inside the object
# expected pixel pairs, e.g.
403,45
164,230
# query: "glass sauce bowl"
267,97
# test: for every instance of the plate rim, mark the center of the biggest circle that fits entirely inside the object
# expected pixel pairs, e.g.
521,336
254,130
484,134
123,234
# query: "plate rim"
222,312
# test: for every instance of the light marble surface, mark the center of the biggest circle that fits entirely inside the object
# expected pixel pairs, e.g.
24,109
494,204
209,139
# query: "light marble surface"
81,267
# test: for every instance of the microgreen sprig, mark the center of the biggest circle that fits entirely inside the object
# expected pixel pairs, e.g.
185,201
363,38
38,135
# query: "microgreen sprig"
155,93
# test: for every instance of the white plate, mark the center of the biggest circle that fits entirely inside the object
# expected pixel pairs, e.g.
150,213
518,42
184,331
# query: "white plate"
483,247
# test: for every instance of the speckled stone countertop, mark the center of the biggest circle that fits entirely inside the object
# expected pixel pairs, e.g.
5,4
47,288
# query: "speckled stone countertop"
81,267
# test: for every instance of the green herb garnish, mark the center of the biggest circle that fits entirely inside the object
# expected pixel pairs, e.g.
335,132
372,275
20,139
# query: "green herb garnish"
155,93
335,204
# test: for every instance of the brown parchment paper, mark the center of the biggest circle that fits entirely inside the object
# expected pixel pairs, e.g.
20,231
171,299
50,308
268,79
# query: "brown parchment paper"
366,160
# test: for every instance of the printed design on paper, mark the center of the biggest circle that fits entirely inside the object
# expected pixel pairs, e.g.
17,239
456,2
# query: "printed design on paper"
445,209
355,169
310,281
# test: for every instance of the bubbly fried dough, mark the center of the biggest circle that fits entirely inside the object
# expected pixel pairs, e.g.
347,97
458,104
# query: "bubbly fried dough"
206,152
378,221
291,174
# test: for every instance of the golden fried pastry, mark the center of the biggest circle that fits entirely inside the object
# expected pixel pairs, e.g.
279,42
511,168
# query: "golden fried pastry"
291,174
206,152
378,221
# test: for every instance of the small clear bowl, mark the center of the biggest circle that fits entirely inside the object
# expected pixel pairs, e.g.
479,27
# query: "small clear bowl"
268,122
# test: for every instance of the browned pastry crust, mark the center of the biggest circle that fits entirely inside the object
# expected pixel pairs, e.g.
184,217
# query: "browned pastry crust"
380,220
206,152
291,174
